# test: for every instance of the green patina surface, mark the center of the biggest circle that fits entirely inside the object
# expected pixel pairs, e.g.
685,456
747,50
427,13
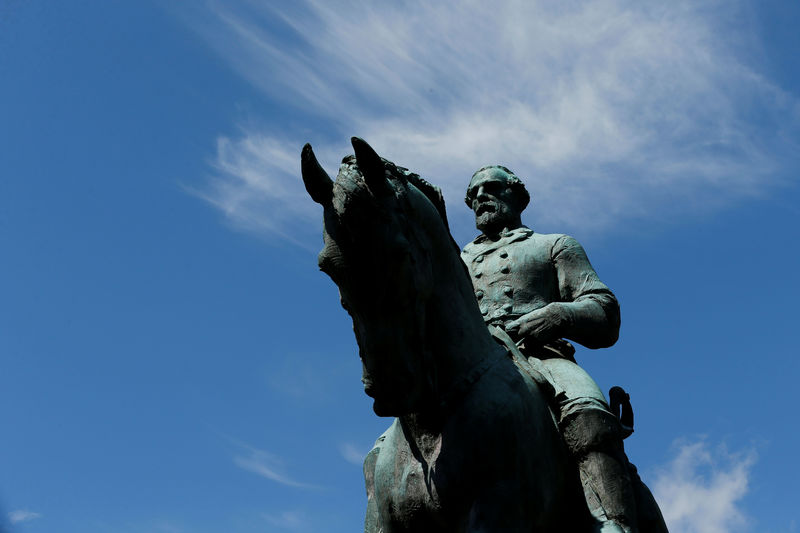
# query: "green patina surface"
497,428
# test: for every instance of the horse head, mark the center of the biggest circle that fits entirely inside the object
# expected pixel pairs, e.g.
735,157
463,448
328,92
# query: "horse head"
383,229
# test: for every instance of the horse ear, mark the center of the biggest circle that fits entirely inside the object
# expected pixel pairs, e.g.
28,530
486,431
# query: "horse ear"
318,184
369,163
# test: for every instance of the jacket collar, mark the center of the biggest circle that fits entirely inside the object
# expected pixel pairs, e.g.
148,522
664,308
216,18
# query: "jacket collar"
484,245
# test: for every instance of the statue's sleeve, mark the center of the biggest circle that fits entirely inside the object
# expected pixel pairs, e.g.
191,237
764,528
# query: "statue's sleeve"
592,310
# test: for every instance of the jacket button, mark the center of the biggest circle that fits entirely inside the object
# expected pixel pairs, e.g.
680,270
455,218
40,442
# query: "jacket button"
507,308
478,274
479,259
479,294
508,291
505,269
503,254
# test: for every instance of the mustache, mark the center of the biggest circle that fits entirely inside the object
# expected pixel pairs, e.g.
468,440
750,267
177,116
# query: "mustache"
486,207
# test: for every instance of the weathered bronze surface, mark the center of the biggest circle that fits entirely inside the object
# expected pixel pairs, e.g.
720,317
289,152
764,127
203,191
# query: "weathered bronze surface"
477,442
541,289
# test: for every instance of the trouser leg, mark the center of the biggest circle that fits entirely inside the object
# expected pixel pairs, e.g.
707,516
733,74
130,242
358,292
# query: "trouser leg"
594,439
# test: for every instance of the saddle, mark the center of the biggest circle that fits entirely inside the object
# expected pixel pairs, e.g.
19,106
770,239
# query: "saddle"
528,360
529,366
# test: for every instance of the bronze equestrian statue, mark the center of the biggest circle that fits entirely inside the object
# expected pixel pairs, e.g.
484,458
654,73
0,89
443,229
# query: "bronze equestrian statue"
475,445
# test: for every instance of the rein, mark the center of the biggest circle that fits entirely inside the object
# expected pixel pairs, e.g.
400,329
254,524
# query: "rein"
459,389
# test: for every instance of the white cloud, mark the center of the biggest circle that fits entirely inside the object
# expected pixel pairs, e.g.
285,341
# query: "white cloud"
22,515
352,454
257,186
608,108
701,490
267,465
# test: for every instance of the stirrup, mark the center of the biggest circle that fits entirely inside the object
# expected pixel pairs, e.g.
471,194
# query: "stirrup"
621,407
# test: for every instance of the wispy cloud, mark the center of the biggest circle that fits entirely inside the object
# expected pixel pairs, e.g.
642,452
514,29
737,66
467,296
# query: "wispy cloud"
267,465
701,490
352,454
296,379
22,515
168,527
291,520
255,186
609,108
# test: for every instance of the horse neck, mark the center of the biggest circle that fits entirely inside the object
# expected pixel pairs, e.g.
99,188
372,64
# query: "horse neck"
460,345
455,330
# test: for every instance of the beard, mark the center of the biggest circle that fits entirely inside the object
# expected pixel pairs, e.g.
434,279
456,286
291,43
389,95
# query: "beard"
493,217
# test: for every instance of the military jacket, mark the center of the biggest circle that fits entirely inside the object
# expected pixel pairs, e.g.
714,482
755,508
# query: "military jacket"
523,271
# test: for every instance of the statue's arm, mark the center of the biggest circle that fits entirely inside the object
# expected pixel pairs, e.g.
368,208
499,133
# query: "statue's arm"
589,310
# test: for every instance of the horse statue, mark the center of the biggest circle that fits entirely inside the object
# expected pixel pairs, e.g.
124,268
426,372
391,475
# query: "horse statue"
474,446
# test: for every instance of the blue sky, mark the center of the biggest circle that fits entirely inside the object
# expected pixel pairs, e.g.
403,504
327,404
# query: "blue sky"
172,359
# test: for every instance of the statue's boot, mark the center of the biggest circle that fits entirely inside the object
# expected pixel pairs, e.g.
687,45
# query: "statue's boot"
647,511
595,441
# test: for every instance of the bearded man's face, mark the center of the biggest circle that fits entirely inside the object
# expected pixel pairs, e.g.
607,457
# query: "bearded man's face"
493,201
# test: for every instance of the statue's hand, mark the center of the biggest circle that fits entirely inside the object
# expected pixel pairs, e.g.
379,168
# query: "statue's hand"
542,325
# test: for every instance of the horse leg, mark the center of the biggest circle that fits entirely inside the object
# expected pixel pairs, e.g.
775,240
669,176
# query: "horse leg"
372,518
371,524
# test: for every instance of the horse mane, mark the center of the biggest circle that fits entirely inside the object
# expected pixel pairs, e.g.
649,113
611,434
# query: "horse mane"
431,192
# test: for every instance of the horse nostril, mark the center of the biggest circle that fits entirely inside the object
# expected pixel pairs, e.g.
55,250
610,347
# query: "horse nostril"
369,386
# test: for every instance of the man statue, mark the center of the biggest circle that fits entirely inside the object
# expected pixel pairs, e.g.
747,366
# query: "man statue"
540,289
